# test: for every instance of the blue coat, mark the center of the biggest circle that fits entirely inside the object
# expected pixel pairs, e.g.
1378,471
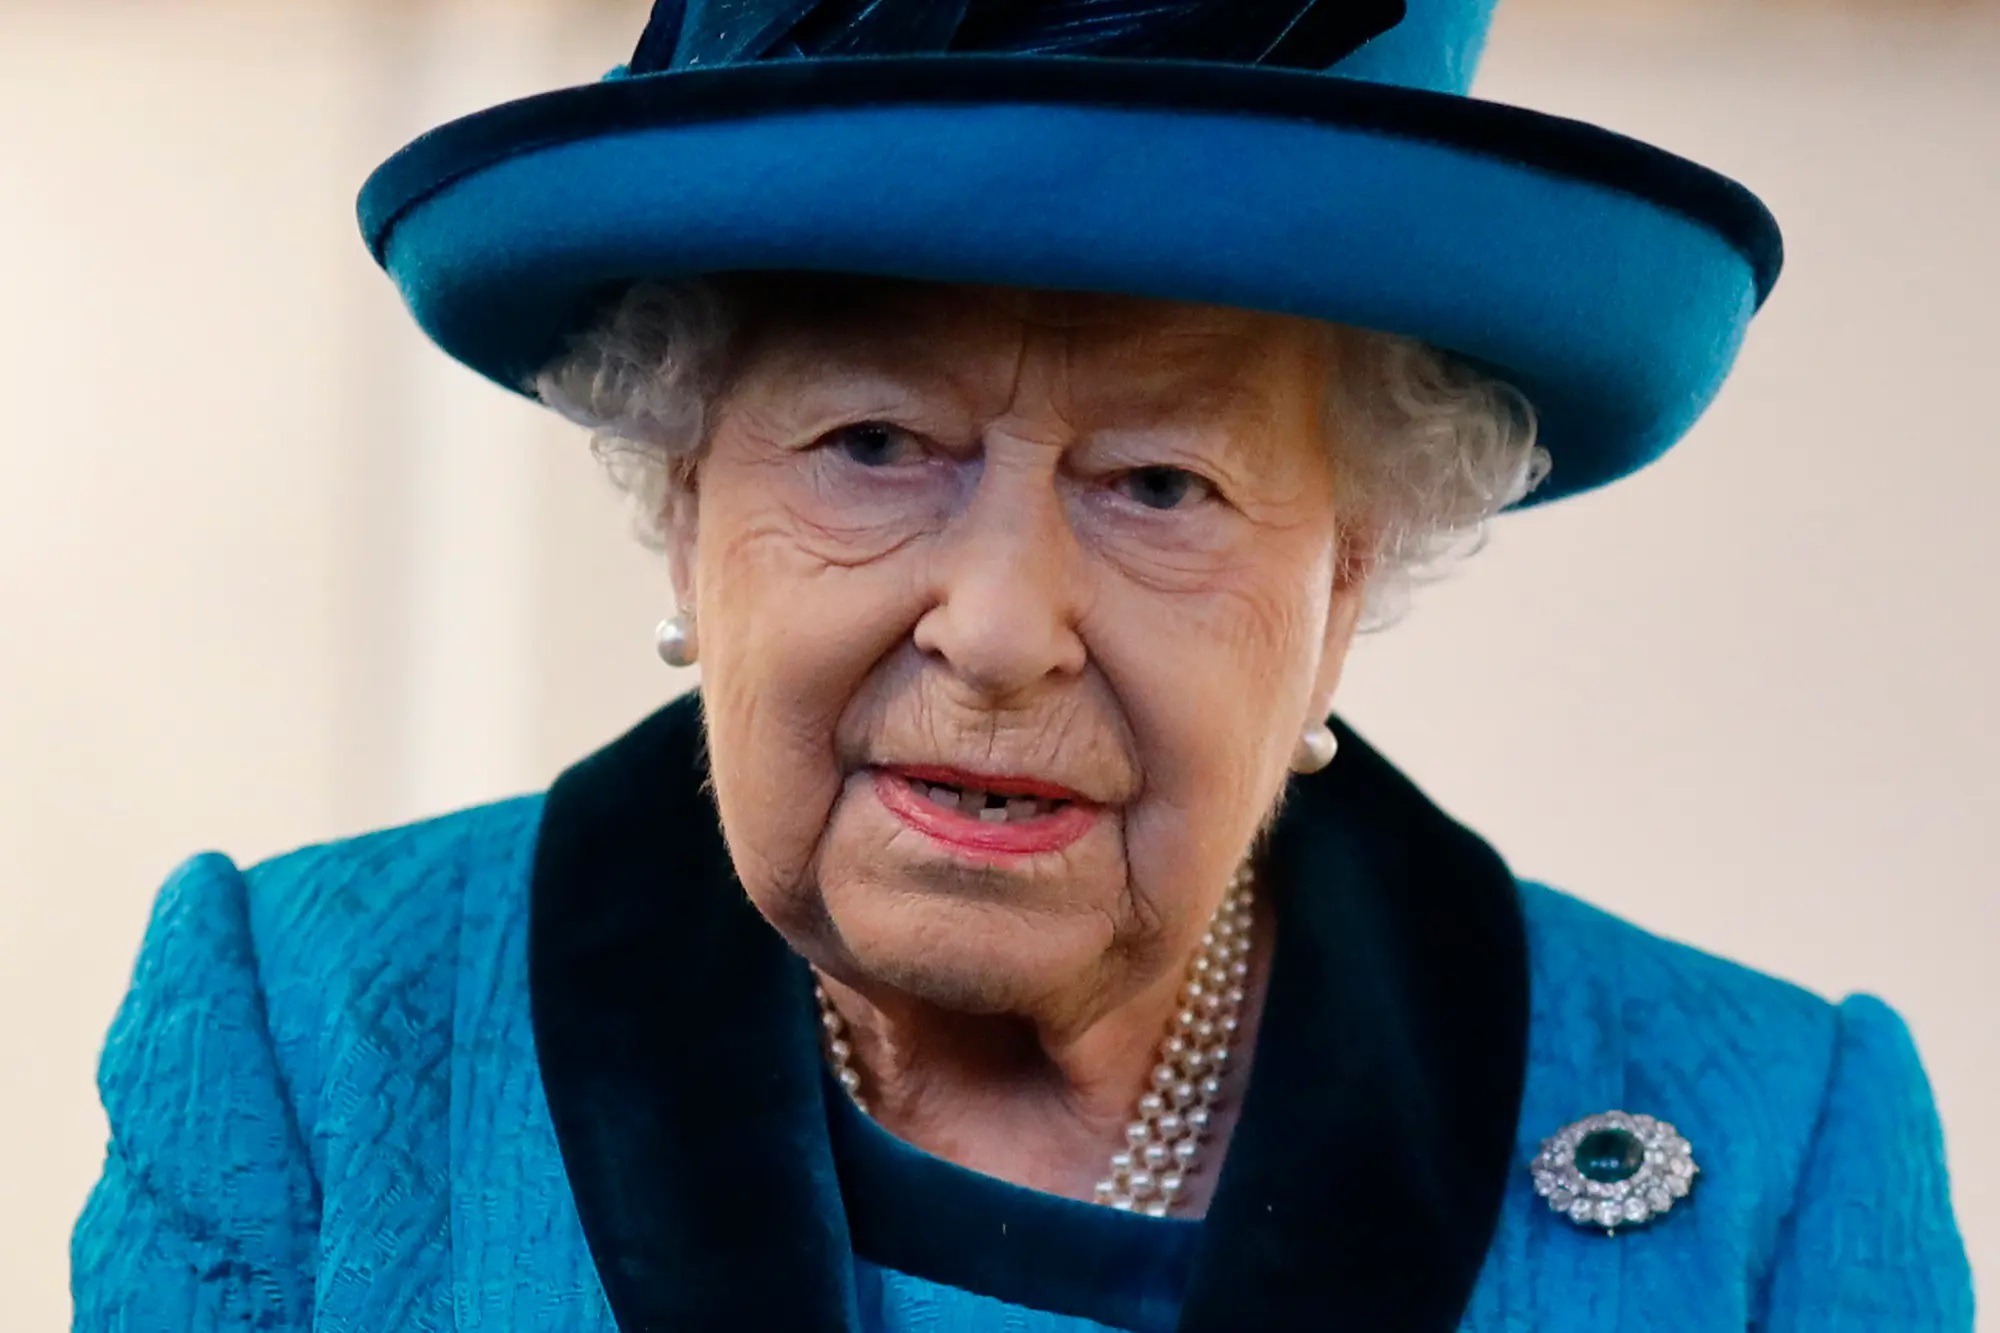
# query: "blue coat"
539,1065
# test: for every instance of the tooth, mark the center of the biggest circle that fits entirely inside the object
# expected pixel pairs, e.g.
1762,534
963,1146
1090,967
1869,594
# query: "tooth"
993,814
1023,807
944,796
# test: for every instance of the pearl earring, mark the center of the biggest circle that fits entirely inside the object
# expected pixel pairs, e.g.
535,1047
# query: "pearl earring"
675,640
1317,745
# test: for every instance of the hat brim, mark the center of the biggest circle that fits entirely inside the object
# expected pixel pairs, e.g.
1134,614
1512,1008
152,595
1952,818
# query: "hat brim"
1609,281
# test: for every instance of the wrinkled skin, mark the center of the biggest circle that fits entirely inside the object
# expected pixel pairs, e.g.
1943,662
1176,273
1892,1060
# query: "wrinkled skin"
1088,539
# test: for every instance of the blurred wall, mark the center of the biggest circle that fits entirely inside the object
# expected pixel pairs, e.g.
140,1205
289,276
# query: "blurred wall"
274,571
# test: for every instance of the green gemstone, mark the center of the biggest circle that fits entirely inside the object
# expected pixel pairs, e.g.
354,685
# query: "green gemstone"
1610,1155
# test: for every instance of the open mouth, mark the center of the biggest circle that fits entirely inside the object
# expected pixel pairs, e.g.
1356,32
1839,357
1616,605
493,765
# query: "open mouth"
986,815
989,807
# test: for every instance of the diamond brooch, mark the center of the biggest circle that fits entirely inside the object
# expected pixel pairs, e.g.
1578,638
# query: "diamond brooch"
1614,1170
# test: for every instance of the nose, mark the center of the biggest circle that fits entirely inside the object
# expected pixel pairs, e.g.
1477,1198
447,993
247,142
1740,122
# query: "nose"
1008,587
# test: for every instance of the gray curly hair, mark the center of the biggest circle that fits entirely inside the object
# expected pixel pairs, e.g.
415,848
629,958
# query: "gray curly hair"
1427,448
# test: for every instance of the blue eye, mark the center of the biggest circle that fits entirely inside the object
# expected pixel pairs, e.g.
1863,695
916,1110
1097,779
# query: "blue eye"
1163,487
875,444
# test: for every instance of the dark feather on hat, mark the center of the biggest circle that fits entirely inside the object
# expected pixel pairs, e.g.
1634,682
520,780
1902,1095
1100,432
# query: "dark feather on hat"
1300,34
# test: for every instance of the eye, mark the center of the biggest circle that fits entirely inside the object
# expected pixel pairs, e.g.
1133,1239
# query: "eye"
875,444
1163,487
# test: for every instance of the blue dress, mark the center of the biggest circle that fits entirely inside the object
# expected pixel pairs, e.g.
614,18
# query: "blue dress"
541,1066
939,1247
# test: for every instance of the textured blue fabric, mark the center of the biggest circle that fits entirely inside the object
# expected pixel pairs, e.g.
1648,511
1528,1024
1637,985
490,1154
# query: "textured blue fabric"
326,1114
893,1302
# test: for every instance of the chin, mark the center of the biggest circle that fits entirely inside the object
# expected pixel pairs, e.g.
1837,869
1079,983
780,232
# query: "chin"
974,957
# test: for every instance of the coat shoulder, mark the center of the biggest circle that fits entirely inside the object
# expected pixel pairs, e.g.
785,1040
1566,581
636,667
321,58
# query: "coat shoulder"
1670,1025
1575,945
1739,1060
391,869
384,898
282,1064
1823,1183
363,945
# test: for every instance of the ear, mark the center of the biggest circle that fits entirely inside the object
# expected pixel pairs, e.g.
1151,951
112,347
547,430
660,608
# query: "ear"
1354,564
680,530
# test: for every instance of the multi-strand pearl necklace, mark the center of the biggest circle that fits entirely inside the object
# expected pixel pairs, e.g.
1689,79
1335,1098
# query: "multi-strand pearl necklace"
1176,1113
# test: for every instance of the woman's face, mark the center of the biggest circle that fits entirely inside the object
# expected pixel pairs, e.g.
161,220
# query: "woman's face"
1012,606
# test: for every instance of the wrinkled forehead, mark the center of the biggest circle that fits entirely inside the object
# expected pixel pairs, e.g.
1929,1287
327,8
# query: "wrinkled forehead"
1106,347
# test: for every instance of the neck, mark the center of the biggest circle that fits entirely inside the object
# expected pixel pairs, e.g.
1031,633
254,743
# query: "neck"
1039,1105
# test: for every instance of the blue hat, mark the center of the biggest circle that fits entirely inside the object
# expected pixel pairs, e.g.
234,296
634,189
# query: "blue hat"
1309,158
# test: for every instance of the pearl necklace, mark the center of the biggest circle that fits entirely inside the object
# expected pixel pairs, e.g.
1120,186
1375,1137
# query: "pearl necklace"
1176,1113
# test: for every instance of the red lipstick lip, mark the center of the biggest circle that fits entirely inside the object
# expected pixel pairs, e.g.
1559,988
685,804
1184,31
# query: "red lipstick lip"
999,784
975,837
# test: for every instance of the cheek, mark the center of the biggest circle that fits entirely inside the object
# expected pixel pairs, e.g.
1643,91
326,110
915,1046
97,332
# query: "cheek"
1231,649
794,618
1215,684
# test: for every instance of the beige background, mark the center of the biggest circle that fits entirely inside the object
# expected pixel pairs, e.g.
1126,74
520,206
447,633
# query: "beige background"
273,570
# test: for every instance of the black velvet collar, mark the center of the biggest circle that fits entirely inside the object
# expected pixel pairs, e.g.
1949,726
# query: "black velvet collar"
680,1058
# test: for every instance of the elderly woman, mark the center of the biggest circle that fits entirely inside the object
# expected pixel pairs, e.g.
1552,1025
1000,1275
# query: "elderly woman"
1031,401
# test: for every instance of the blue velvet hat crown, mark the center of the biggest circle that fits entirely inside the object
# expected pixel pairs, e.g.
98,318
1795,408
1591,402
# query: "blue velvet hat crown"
1308,157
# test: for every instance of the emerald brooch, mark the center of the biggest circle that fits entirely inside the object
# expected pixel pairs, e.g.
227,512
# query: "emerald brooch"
1614,1170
